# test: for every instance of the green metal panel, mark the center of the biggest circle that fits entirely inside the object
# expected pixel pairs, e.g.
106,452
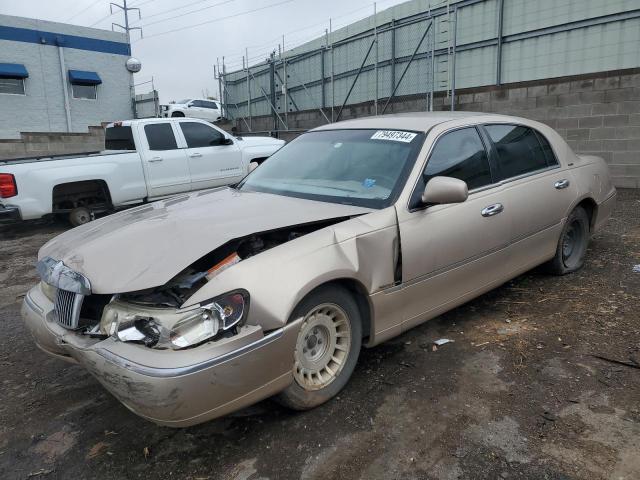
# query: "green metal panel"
613,44
598,48
526,15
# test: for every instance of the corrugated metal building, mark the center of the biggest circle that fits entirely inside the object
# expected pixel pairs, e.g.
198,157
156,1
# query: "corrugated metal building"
573,64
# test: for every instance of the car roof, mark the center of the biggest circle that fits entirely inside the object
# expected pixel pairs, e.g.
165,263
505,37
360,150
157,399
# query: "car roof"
416,121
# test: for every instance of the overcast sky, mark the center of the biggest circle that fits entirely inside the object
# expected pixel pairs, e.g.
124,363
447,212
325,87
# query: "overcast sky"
181,62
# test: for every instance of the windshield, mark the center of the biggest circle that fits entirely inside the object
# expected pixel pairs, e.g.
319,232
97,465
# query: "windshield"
357,167
182,102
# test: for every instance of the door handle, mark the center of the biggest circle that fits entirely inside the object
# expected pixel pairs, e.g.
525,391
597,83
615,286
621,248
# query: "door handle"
492,210
560,184
195,155
155,159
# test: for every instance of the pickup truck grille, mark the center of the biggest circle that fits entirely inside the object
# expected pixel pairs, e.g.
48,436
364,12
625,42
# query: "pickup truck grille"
67,308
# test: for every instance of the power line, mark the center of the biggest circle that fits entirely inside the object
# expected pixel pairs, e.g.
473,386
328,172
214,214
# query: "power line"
187,13
220,19
82,11
181,7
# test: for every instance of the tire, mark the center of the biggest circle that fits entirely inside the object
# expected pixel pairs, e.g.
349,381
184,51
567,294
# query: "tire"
79,216
572,245
177,114
342,344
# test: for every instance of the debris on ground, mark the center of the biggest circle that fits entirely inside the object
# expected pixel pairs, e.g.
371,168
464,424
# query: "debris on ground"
40,473
631,364
97,450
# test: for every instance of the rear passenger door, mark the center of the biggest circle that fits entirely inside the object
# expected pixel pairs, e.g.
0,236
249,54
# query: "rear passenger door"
212,162
537,190
165,164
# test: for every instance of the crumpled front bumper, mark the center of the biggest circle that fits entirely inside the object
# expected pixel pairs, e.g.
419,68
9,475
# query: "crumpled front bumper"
173,388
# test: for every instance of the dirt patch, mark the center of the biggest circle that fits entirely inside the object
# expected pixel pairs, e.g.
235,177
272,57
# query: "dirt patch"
519,394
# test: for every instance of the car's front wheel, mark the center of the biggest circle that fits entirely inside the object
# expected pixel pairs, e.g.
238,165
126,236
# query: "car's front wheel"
327,347
572,245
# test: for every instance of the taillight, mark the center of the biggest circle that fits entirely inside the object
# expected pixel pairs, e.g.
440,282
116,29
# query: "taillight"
8,186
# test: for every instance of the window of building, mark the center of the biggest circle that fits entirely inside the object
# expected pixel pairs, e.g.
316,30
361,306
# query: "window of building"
200,135
519,151
458,154
12,77
88,92
160,136
84,84
14,86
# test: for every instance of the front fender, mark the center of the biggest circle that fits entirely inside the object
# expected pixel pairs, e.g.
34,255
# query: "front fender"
362,249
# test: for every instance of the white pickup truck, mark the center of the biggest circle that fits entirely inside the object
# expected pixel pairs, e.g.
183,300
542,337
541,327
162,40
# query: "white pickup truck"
143,160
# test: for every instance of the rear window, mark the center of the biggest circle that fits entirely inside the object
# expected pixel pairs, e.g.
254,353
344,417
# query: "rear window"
119,138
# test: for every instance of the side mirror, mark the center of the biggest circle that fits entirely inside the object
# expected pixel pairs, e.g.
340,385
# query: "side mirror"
252,166
226,141
443,190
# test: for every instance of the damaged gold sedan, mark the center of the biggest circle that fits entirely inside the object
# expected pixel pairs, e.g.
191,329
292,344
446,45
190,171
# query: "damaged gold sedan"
192,307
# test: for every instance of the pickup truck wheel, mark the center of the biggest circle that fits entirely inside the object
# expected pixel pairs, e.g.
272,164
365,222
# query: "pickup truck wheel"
572,245
79,216
326,350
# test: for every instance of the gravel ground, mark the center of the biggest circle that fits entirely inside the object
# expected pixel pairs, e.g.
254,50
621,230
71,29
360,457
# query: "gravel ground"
520,394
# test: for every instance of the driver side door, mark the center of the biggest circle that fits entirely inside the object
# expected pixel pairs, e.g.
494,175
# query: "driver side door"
453,252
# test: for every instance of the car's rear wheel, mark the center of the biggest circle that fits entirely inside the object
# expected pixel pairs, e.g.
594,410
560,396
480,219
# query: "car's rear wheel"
327,347
177,114
572,245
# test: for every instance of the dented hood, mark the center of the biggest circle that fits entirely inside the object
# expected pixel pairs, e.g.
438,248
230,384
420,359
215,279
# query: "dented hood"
145,247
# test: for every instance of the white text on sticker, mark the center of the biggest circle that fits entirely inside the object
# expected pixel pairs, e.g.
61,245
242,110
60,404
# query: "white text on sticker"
395,135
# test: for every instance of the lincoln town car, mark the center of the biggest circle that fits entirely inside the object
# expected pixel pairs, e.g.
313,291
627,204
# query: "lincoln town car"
200,304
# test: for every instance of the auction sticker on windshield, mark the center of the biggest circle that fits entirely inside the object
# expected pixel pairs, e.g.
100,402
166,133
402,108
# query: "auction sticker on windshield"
395,135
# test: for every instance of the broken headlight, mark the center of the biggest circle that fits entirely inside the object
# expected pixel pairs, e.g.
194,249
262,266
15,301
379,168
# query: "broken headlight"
186,329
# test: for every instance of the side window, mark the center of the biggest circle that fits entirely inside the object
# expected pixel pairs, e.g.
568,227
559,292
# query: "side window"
458,154
197,103
200,135
119,138
549,156
210,105
519,151
160,136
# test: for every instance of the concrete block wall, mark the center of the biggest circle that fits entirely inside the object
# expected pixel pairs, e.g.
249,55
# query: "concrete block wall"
36,144
597,114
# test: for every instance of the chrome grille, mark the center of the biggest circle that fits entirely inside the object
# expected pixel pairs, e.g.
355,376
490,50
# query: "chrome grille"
67,308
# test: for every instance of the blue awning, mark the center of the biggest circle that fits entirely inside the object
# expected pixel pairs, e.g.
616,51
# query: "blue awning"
13,70
80,77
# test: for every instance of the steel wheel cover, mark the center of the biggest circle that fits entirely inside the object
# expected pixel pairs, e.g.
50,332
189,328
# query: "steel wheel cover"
322,346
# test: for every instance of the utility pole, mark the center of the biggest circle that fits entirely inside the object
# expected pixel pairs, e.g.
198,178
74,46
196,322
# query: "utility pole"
127,29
